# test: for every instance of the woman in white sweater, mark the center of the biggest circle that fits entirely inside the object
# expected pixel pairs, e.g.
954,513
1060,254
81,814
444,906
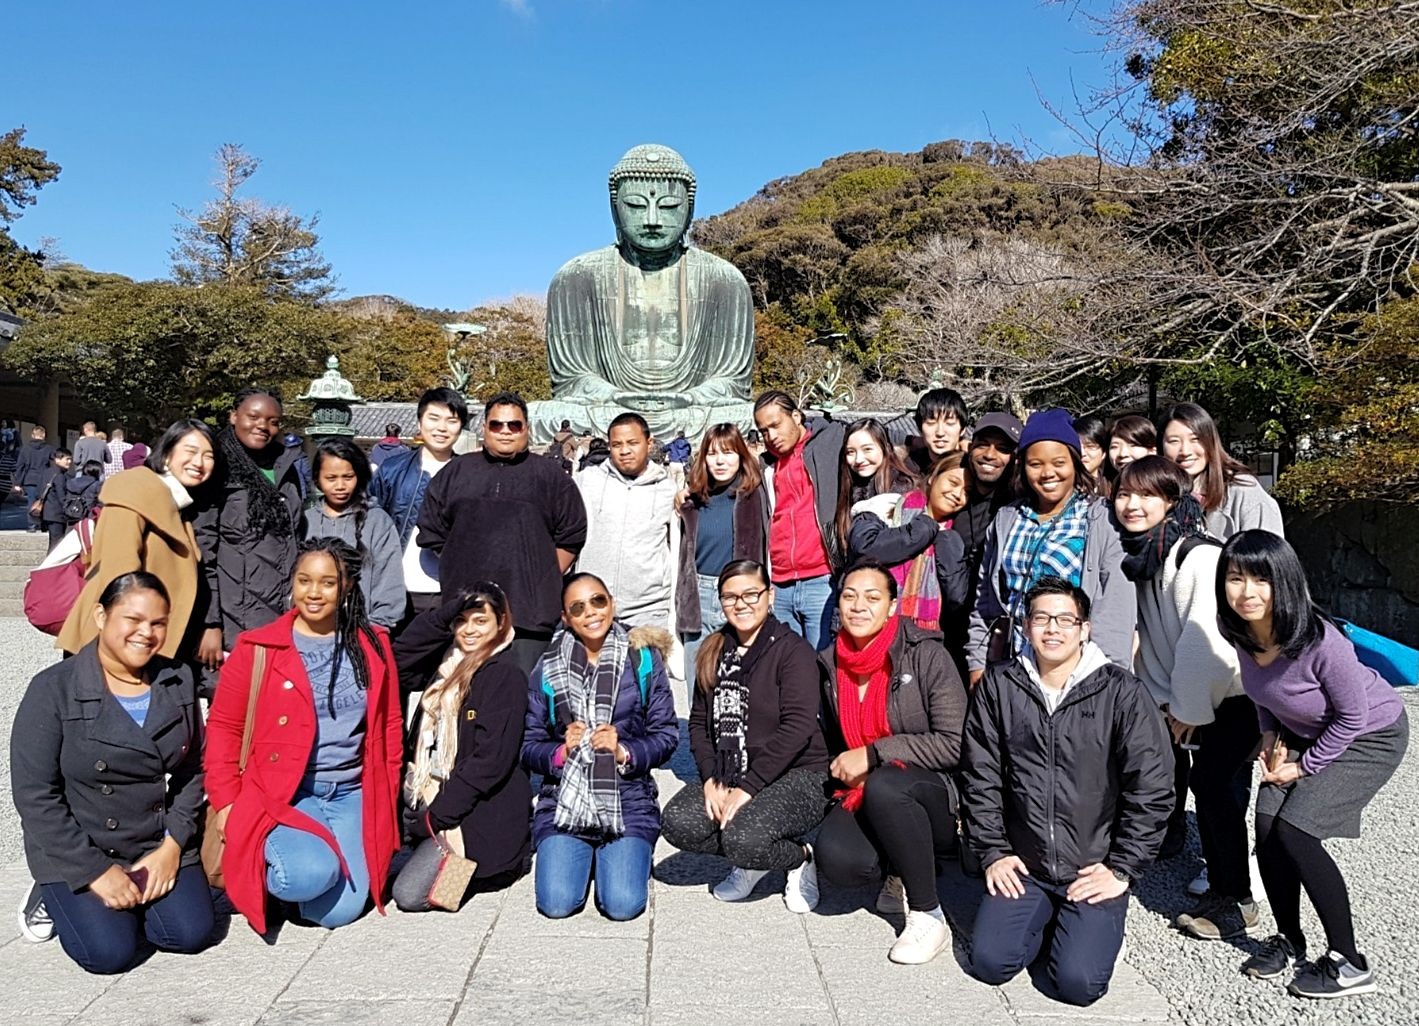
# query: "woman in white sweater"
1192,673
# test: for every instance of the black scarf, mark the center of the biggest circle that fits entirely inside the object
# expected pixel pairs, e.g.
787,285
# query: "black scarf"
729,716
1144,552
266,511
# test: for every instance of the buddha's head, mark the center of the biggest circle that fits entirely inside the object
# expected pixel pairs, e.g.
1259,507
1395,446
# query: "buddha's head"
652,200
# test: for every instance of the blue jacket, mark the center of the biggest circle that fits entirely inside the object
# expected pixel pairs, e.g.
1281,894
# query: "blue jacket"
398,488
649,729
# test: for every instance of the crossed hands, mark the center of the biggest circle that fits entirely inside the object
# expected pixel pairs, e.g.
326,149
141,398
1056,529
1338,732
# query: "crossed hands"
156,871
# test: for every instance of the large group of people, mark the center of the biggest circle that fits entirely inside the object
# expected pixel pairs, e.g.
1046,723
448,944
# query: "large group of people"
1017,644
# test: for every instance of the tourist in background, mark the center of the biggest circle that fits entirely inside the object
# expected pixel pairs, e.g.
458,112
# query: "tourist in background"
989,455
466,783
755,737
632,532
403,481
1093,449
1061,734
247,531
341,474
147,525
106,770
1192,674
721,520
90,446
600,717
72,498
390,445
314,818
941,422
117,446
871,477
1333,732
1059,528
678,450
135,455
800,483
1231,497
893,708
32,471
48,507
501,515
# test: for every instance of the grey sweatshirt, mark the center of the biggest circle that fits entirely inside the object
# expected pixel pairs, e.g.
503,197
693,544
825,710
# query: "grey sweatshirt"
1246,506
632,540
382,578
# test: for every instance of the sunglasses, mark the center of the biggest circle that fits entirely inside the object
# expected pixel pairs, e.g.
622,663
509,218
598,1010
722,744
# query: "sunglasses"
511,426
595,602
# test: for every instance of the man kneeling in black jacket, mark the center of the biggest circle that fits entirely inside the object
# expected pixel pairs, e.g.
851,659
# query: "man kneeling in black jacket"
1068,786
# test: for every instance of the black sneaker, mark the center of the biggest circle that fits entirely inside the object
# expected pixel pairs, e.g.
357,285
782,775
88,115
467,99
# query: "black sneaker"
35,924
1276,956
1333,976
1217,917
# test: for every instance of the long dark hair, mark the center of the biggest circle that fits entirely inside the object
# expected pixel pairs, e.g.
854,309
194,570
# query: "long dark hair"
722,437
1222,467
707,659
1296,622
891,476
351,620
266,512
345,449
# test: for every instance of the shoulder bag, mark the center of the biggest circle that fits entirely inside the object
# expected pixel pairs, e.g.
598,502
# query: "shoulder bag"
214,841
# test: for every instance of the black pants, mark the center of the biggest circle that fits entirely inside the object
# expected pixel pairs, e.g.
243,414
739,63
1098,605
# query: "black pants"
527,647
907,818
1177,822
764,834
1221,784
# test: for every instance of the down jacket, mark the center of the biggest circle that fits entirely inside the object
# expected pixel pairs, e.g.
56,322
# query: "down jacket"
1091,783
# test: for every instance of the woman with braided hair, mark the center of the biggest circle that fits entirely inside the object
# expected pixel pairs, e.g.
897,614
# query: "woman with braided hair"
311,815
247,532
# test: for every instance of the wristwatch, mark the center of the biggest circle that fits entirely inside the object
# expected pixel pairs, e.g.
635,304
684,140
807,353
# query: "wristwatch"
1120,875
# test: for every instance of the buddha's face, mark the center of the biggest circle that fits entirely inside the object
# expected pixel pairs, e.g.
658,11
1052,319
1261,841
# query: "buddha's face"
652,214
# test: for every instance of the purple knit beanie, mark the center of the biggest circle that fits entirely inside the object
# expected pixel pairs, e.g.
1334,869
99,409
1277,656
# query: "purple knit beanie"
1056,425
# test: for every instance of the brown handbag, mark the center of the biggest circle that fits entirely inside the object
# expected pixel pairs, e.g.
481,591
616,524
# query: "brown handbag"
453,876
214,841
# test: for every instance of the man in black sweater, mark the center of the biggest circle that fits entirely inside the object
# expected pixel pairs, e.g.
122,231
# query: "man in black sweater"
510,517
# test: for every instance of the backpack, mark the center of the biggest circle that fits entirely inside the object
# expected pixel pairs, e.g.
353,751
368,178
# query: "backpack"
77,507
644,664
1191,542
55,585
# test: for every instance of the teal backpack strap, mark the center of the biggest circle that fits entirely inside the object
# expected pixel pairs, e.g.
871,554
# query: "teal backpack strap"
551,703
644,665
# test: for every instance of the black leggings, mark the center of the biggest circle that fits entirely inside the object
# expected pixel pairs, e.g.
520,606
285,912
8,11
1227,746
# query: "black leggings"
764,834
907,818
1290,859
1221,783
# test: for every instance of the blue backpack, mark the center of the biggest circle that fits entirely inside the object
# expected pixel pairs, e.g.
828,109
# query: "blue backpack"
644,665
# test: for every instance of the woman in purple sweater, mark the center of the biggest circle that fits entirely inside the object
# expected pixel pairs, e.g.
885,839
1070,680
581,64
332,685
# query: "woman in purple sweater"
1332,733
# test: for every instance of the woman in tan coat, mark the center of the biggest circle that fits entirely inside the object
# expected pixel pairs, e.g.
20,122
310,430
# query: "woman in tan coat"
146,525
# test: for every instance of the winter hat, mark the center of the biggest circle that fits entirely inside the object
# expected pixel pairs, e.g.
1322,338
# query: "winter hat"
135,456
1056,425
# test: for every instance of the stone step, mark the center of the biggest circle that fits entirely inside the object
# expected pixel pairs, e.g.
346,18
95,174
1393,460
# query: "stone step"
24,541
13,572
12,606
23,557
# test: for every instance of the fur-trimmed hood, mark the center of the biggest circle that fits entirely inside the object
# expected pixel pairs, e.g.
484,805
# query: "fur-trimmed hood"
652,637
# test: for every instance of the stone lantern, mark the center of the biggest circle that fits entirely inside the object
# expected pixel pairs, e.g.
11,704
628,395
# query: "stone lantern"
332,397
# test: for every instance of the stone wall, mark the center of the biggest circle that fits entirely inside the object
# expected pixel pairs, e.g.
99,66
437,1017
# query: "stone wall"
1363,564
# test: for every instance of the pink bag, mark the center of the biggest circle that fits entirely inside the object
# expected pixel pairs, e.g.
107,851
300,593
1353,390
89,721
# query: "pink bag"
55,585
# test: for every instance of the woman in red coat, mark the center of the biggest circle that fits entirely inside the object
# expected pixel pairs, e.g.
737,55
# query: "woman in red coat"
314,819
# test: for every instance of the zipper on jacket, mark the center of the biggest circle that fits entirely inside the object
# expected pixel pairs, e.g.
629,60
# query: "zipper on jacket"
1053,849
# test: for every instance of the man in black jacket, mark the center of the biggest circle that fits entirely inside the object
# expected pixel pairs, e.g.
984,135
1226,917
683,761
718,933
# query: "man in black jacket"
1069,783
32,470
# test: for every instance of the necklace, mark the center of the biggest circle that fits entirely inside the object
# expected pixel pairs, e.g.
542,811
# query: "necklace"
118,676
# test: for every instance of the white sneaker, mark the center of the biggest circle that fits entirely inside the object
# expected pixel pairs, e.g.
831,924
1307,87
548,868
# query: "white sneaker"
892,898
1199,886
800,894
35,924
739,884
924,938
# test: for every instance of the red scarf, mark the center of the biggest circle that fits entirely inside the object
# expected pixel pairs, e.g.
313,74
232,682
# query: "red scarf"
864,720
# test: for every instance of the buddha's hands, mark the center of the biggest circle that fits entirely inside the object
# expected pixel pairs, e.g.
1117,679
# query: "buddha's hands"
654,401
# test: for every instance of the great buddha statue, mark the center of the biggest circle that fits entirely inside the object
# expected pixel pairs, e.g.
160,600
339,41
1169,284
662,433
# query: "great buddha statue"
650,324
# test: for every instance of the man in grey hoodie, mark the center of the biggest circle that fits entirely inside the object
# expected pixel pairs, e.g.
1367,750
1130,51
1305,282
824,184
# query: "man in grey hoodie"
632,535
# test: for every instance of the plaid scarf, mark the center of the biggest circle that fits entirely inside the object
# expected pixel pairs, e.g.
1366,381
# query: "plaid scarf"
589,798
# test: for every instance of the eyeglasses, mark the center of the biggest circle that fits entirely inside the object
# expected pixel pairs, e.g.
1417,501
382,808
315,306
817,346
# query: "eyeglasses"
1065,621
749,598
595,602
510,426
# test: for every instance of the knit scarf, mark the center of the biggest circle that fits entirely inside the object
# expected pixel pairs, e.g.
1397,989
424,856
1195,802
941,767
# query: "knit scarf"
864,720
1145,551
917,583
589,798
729,717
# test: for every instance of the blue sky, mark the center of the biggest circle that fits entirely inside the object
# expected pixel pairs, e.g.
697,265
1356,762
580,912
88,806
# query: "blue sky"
458,152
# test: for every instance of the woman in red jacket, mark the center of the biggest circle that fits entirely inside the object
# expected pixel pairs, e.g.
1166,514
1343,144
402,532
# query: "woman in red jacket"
313,820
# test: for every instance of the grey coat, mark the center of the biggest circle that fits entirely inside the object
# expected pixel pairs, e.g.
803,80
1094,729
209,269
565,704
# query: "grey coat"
382,573
821,457
1114,604
926,703
93,788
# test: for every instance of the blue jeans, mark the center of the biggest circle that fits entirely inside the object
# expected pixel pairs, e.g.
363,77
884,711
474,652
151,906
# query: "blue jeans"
301,868
807,607
1009,933
563,870
711,620
106,941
